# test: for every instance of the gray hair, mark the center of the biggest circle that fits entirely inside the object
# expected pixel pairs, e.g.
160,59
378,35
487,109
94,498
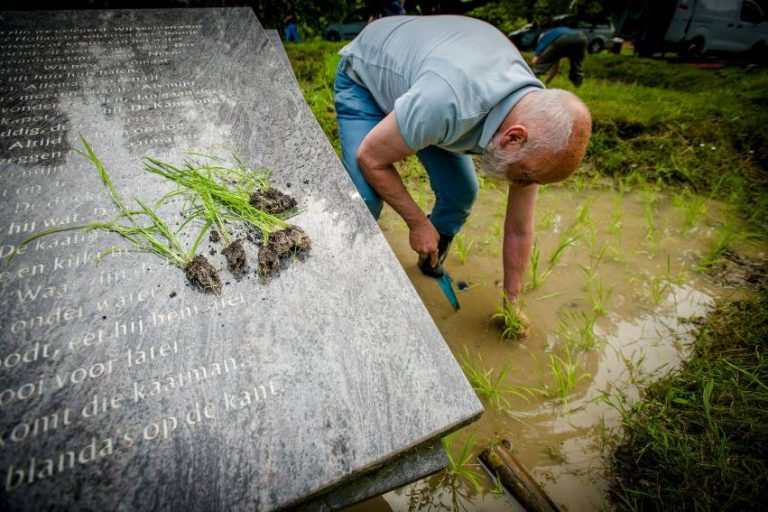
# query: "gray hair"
546,110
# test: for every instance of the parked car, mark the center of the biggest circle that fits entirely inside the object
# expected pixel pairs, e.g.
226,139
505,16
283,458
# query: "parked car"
599,31
347,28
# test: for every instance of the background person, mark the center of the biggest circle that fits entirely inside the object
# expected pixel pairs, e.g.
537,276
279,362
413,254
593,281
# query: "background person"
443,88
291,25
383,8
556,44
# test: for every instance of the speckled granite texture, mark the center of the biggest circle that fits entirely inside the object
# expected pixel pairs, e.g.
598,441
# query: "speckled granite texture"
122,388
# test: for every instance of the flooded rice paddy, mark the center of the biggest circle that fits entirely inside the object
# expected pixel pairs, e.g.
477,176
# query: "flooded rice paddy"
612,285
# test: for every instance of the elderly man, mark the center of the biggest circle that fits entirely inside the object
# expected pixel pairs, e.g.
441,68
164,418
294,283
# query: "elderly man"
444,88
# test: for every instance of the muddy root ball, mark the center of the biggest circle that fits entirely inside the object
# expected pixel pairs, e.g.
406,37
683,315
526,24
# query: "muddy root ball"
235,254
272,201
286,242
201,273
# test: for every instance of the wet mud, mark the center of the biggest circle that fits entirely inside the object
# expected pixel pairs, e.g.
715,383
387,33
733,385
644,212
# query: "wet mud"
286,243
272,201
611,314
236,259
203,275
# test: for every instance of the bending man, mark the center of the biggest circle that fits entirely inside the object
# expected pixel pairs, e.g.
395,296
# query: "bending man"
444,88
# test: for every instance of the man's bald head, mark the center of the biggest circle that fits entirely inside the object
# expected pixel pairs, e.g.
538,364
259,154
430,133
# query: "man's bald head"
542,140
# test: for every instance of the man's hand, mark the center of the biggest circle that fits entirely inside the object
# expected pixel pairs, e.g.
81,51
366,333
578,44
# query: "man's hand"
523,322
424,238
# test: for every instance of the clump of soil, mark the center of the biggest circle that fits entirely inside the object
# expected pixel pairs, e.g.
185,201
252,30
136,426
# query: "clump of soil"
201,273
214,236
272,201
235,254
286,242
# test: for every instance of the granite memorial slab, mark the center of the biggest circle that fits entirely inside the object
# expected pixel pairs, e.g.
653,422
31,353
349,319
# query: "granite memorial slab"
121,386
415,464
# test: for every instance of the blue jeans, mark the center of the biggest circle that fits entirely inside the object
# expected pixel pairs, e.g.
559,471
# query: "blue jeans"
451,175
292,33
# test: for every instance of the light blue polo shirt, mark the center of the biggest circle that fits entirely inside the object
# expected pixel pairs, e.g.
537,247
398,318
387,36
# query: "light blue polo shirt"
451,80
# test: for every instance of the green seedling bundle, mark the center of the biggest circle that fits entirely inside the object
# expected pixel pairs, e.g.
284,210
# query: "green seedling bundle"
224,197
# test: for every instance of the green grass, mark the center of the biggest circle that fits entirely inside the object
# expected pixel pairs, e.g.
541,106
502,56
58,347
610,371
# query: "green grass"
699,438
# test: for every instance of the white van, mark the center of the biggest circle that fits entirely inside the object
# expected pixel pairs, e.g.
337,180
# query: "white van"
701,26
695,27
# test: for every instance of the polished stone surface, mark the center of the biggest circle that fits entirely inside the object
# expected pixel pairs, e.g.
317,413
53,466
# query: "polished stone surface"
123,388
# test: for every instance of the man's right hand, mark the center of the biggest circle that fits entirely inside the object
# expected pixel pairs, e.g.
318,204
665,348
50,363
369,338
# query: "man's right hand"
424,238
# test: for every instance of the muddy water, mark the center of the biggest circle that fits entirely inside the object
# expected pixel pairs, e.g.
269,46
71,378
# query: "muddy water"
612,308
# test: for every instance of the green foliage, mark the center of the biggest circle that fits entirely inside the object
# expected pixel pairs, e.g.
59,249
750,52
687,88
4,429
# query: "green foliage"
507,16
699,439
673,123
314,65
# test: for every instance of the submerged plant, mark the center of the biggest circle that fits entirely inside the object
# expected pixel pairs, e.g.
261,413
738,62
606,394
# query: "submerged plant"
459,465
462,247
537,276
493,389
583,336
566,371
691,208
513,323
727,235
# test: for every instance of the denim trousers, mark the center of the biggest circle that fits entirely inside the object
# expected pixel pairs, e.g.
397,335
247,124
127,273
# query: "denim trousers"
451,175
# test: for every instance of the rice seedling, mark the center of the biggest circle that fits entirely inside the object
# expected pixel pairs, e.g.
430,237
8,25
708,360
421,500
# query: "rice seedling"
485,183
690,207
615,225
537,277
513,323
145,231
727,235
566,240
462,247
226,193
459,461
599,295
579,331
584,215
566,372
546,221
495,390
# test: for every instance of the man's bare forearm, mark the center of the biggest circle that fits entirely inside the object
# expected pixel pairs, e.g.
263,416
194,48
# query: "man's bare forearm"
516,252
518,237
387,183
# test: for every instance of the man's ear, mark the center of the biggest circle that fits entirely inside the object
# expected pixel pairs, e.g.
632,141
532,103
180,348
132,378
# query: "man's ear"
515,134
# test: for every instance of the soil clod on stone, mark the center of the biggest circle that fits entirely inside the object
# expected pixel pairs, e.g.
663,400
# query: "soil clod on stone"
201,273
272,201
235,254
286,242
214,236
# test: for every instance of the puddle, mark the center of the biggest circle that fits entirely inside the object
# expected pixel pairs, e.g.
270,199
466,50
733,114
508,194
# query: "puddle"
611,309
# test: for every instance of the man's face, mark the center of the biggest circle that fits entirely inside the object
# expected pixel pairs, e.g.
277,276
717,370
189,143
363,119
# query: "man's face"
517,166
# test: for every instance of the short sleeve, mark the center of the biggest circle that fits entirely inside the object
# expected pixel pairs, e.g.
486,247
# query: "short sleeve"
426,113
